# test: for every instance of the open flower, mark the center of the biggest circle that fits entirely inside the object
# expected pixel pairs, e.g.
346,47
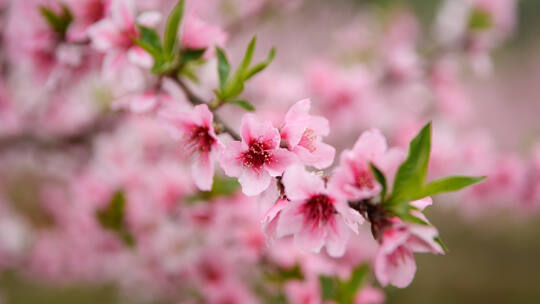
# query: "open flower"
303,134
353,178
257,158
394,263
195,131
114,35
315,216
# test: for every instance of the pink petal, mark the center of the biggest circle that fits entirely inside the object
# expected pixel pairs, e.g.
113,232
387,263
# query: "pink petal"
300,184
310,238
123,13
202,171
274,210
230,159
397,268
320,125
370,145
422,203
149,18
280,160
254,182
105,35
337,235
112,63
321,158
252,128
202,116
296,122
143,103
290,219
140,57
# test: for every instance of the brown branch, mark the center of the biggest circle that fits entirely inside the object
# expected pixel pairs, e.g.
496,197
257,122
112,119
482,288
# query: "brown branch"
222,127
84,137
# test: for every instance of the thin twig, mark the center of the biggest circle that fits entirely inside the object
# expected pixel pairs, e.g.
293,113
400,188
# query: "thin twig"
196,100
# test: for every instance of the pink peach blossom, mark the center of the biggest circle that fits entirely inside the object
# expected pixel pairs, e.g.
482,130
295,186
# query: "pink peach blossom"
303,134
394,263
257,158
315,216
114,35
197,136
353,178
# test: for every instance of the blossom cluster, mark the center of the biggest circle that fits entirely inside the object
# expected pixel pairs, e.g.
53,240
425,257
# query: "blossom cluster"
152,175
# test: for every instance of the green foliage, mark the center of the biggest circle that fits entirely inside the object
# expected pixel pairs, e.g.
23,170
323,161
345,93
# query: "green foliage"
480,20
231,87
409,183
222,186
340,291
246,105
58,22
448,184
171,29
112,218
380,178
166,55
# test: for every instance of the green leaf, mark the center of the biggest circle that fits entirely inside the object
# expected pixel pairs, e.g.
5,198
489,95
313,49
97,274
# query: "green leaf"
260,66
171,29
480,19
247,57
112,218
150,42
328,288
379,176
349,289
222,186
192,55
343,292
58,22
440,242
246,105
448,184
236,85
412,172
223,68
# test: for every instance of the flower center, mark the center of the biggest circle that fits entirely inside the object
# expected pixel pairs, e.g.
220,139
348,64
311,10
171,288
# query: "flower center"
308,139
364,179
256,155
201,139
319,208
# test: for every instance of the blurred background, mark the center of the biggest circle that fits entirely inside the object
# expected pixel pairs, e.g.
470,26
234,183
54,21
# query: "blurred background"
493,258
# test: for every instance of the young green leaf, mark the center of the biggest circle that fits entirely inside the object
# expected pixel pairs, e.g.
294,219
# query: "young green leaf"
479,20
58,22
192,55
381,179
261,65
223,68
222,186
246,105
150,42
412,172
112,218
328,288
440,242
448,184
248,56
171,29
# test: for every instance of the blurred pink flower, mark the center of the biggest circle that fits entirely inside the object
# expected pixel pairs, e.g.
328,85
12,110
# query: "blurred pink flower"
114,35
195,131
